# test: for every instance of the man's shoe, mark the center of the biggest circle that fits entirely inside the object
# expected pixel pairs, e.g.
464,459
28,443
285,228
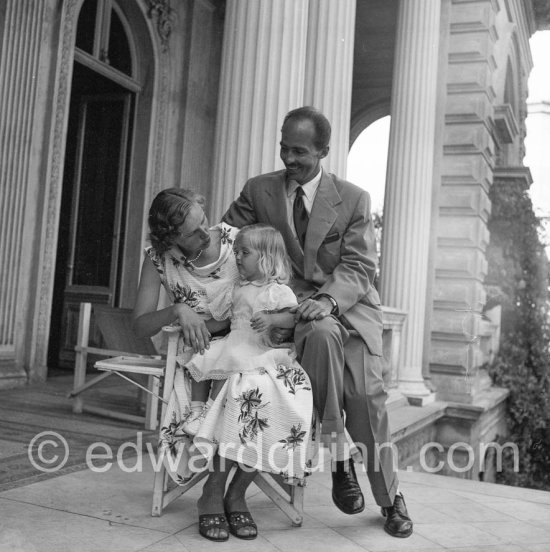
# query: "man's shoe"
346,492
398,523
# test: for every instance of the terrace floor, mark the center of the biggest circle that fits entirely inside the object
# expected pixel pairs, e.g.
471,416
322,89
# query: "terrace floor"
83,510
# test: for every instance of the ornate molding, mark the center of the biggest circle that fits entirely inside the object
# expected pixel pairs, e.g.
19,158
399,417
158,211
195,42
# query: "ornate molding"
54,191
163,12
542,14
505,123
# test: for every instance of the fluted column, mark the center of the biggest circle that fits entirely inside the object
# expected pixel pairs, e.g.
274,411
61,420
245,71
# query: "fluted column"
20,48
329,72
262,78
407,207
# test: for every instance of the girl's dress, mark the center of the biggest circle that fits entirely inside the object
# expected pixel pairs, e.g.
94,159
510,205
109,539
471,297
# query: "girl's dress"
263,413
243,350
261,417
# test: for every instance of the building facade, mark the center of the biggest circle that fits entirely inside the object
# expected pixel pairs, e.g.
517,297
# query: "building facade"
105,102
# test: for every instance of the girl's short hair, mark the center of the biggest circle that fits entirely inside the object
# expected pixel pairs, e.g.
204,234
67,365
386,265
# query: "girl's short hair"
274,263
168,212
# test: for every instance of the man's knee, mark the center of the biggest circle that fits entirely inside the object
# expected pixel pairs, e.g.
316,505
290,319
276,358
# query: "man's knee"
327,331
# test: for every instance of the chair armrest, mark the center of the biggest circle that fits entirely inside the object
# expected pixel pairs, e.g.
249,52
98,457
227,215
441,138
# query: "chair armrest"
104,352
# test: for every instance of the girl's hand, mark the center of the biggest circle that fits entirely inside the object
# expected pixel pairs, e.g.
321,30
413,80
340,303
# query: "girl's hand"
193,328
260,322
281,335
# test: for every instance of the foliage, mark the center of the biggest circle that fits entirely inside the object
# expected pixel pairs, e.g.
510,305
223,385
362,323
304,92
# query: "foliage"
377,219
518,279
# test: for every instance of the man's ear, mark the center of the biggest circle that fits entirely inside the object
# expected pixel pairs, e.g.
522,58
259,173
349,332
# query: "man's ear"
323,152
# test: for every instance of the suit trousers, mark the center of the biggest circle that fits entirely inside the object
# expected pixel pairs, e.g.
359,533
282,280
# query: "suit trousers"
345,377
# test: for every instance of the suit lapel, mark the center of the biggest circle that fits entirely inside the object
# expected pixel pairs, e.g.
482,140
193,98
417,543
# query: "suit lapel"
277,210
322,217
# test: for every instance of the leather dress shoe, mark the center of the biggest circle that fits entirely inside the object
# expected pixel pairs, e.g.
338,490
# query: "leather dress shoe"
398,523
346,492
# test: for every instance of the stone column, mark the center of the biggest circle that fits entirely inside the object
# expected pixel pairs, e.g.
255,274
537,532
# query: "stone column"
21,29
407,210
329,72
262,78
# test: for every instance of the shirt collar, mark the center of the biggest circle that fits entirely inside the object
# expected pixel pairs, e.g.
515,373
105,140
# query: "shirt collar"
309,187
244,282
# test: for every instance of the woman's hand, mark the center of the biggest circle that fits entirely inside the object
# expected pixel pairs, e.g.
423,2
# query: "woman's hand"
260,322
193,328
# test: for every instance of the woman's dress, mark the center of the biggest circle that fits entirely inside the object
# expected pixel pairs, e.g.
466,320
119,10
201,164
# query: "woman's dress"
261,418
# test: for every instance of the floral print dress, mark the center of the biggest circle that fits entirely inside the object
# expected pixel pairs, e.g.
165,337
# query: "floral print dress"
261,418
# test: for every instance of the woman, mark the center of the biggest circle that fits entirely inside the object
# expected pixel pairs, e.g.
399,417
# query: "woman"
195,264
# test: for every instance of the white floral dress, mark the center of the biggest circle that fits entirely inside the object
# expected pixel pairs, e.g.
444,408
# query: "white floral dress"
262,417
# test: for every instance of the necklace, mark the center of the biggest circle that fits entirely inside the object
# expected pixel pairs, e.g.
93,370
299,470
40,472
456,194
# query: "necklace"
191,261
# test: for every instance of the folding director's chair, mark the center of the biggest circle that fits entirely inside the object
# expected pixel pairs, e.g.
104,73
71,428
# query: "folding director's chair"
138,357
288,498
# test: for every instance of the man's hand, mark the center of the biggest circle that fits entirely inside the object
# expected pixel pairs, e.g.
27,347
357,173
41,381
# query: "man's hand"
312,309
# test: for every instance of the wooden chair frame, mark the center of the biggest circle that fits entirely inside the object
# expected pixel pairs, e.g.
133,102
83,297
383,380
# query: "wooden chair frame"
153,368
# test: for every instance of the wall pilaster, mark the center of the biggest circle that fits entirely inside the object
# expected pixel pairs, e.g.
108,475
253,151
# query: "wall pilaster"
458,328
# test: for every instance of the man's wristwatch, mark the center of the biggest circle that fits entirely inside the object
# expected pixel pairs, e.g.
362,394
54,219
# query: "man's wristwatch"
331,299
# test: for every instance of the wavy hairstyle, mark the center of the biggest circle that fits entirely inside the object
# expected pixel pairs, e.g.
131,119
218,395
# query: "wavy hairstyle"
274,263
168,212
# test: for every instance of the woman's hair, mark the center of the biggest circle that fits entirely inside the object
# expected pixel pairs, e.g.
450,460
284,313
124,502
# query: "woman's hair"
274,263
167,213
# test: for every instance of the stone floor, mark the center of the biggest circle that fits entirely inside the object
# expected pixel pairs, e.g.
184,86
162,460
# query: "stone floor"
110,511
79,509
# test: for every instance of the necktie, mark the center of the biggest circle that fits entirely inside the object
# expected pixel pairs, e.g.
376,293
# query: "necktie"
299,213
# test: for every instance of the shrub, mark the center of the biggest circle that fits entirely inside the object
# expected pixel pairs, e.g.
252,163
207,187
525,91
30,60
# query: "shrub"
518,269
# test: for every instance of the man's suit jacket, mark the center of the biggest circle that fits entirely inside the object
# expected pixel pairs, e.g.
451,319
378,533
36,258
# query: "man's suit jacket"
339,256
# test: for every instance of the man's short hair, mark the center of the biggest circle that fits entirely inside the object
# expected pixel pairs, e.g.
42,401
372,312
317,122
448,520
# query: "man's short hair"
319,121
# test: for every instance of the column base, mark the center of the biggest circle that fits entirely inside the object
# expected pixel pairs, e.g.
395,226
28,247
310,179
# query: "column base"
416,392
395,399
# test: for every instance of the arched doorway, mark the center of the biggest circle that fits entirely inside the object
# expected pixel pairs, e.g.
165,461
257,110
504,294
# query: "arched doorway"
99,143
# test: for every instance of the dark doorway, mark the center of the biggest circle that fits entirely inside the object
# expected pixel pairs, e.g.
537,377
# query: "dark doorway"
91,235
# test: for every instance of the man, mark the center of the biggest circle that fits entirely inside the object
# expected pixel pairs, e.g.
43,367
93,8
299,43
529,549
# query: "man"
328,231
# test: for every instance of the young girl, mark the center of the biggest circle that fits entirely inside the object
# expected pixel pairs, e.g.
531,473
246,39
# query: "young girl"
262,415
250,304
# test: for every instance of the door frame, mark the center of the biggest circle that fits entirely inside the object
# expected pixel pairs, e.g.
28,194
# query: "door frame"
150,121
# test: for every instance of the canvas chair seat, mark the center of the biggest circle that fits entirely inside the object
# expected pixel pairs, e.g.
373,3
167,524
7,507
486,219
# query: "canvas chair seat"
137,358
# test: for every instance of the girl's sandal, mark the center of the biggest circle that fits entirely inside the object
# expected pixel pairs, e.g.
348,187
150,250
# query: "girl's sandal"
213,521
239,520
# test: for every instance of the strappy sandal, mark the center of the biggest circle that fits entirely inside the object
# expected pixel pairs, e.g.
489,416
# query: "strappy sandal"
238,520
213,521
